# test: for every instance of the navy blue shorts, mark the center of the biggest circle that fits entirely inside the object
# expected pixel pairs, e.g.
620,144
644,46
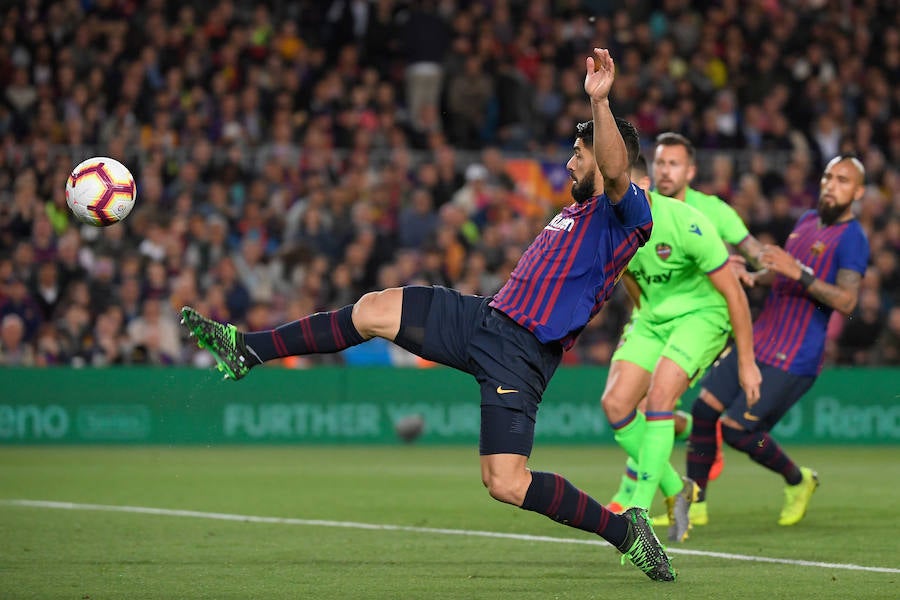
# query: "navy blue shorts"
505,431
512,367
779,391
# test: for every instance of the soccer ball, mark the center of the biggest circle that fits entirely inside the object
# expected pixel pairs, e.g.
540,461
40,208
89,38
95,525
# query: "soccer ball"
100,191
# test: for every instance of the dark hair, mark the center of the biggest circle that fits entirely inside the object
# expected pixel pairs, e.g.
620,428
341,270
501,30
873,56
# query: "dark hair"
585,132
639,168
670,138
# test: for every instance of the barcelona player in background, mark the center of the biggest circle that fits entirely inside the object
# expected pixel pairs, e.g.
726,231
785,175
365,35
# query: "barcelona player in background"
818,271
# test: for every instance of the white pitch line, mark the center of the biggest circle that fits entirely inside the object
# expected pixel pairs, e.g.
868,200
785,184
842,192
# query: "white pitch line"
166,512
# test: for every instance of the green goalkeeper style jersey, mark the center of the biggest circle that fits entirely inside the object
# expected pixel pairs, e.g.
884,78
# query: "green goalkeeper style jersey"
724,218
672,268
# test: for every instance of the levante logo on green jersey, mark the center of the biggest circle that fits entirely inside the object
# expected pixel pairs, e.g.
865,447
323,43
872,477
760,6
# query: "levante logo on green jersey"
664,251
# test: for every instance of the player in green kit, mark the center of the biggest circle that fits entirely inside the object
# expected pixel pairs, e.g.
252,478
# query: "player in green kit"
687,304
674,167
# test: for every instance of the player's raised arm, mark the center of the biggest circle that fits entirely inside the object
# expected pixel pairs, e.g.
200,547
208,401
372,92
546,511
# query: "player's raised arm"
609,148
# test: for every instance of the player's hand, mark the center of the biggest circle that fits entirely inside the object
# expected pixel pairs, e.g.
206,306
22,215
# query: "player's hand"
751,379
777,260
738,265
600,74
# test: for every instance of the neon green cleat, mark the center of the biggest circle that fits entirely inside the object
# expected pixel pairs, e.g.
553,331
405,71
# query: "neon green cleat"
643,548
796,497
224,342
697,513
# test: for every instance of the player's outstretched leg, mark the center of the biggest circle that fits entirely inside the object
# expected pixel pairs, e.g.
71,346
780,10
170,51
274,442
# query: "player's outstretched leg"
320,333
643,548
224,342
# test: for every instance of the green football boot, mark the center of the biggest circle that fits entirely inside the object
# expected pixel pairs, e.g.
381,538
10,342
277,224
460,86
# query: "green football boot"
643,548
796,497
224,342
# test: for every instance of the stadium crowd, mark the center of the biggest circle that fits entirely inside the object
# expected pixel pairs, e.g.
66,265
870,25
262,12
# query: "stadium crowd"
291,156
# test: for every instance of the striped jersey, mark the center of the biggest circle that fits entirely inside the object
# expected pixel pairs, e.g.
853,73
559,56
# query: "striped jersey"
567,273
790,331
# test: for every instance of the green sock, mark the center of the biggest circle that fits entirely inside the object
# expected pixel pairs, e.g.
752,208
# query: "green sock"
670,483
688,426
659,440
631,436
626,485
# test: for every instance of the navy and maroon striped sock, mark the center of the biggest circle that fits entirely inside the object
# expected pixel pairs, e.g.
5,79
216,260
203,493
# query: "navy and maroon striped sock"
762,449
554,496
701,452
319,333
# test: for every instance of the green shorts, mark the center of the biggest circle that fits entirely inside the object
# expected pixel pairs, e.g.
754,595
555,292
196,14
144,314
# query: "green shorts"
692,341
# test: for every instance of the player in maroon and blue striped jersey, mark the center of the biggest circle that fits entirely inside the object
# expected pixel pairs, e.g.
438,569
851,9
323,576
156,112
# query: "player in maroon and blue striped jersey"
566,275
818,271
512,343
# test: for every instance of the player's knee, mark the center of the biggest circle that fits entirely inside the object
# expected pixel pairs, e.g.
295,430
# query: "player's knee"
702,411
505,489
375,312
732,432
365,314
616,405
660,400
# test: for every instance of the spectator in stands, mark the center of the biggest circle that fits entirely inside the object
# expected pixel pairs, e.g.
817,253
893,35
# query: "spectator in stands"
425,40
469,94
859,334
14,351
19,302
46,290
887,349
154,335
418,221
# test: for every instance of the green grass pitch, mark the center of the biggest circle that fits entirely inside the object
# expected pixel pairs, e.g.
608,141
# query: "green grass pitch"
48,553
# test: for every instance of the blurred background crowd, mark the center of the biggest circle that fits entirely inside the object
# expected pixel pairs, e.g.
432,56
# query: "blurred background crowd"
291,156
